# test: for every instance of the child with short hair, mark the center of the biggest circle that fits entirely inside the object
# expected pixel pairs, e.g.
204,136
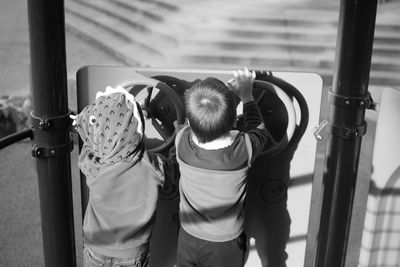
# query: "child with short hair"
123,179
213,161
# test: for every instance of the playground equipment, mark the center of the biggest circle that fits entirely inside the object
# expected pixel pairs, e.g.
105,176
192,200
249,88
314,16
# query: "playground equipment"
349,98
284,99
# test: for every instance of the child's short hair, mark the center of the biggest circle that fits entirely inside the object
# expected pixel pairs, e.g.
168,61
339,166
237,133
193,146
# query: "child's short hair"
210,108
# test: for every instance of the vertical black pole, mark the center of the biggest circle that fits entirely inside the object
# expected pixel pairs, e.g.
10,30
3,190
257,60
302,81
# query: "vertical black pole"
347,111
51,140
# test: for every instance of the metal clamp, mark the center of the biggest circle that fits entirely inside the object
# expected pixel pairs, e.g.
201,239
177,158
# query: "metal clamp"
317,130
344,132
52,151
364,101
47,123
348,132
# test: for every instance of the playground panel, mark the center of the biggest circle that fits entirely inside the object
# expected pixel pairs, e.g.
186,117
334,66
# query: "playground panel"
277,219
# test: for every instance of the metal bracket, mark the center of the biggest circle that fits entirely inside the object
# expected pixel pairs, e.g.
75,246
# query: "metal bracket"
347,132
344,132
364,101
52,151
317,130
48,123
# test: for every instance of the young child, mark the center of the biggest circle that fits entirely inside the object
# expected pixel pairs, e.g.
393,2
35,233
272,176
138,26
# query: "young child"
213,161
123,180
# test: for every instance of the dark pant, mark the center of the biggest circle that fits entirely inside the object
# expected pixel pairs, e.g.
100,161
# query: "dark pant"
197,252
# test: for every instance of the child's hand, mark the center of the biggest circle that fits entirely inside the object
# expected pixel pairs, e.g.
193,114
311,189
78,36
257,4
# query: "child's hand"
244,85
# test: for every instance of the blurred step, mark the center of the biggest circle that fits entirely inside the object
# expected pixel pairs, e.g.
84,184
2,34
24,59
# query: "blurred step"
120,46
323,67
377,78
321,58
280,45
152,8
138,19
289,9
118,34
159,16
214,33
311,36
96,40
318,21
297,30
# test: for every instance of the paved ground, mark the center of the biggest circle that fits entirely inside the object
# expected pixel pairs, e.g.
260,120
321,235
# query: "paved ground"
20,227
20,224
14,50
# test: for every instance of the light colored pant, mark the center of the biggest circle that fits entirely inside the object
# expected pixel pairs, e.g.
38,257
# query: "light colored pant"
91,259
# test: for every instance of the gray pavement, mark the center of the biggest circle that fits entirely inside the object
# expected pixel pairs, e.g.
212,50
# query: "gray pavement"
14,50
20,223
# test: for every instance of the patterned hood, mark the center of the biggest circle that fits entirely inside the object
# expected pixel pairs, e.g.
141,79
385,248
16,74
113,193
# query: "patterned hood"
111,127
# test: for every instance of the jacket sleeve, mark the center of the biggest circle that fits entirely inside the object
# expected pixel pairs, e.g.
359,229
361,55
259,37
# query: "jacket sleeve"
170,168
254,126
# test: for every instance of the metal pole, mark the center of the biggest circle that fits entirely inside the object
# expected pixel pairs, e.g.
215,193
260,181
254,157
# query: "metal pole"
349,98
51,141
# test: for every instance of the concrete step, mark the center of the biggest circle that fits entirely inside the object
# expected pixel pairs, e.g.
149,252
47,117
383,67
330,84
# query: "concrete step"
97,41
265,14
309,21
170,20
284,57
119,35
179,33
148,11
377,78
390,32
323,67
312,37
150,8
120,45
289,9
138,19
279,45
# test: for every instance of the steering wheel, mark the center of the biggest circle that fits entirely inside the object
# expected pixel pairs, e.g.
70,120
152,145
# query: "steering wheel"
268,87
302,115
278,112
161,106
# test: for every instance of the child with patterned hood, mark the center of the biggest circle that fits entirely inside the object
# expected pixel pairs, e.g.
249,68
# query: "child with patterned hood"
123,180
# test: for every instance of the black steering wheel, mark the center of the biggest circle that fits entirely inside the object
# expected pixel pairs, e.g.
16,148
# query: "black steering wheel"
161,106
275,98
